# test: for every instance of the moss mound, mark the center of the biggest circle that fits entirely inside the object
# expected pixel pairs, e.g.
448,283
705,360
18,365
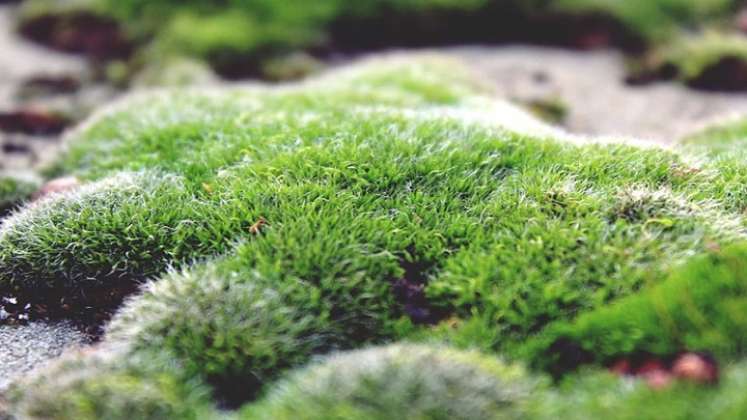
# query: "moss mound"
96,384
399,381
699,307
382,202
15,189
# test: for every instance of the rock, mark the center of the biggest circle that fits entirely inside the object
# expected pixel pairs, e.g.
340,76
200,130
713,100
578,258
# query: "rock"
659,379
57,185
25,347
697,368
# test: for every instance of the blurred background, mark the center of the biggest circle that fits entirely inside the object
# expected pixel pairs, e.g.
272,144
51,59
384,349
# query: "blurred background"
650,69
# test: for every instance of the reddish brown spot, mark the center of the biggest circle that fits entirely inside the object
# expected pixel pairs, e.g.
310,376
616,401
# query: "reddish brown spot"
79,32
51,84
41,123
257,226
621,367
648,366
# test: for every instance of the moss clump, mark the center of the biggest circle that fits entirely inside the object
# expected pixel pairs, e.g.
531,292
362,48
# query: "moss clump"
710,61
96,384
231,333
368,206
122,214
655,20
601,395
399,381
15,189
697,308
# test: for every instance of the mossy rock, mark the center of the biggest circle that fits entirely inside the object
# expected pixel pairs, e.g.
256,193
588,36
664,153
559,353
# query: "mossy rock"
381,202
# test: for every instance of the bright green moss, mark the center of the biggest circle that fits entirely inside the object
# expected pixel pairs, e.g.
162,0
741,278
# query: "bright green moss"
399,381
229,332
362,208
699,307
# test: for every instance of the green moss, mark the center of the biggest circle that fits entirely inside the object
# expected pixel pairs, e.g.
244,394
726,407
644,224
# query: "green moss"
399,381
699,307
363,208
653,19
227,331
15,189
693,56
95,384
601,395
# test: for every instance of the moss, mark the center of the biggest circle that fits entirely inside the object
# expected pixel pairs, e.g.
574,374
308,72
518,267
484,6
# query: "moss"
654,20
697,308
94,384
240,38
711,60
15,189
724,140
227,331
399,381
380,202
601,395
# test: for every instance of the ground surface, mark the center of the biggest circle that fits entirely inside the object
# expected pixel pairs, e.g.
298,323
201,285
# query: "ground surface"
592,86
24,347
589,83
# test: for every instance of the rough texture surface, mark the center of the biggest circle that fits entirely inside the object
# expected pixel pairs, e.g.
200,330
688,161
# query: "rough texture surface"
592,86
26,347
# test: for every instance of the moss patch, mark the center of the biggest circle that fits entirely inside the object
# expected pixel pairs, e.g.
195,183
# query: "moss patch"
379,203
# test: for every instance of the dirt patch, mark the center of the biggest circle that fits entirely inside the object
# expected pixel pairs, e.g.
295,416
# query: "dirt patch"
729,74
79,32
62,305
33,122
409,291
497,23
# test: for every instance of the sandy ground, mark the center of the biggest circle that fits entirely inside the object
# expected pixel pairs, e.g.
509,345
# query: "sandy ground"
591,84
25,347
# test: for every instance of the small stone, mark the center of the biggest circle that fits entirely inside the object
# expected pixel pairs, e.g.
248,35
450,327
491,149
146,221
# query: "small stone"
57,185
659,379
696,368
650,365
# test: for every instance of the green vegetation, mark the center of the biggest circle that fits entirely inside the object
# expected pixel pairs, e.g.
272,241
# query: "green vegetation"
399,381
15,189
699,307
90,385
237,37
655,20
380,203
601,395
